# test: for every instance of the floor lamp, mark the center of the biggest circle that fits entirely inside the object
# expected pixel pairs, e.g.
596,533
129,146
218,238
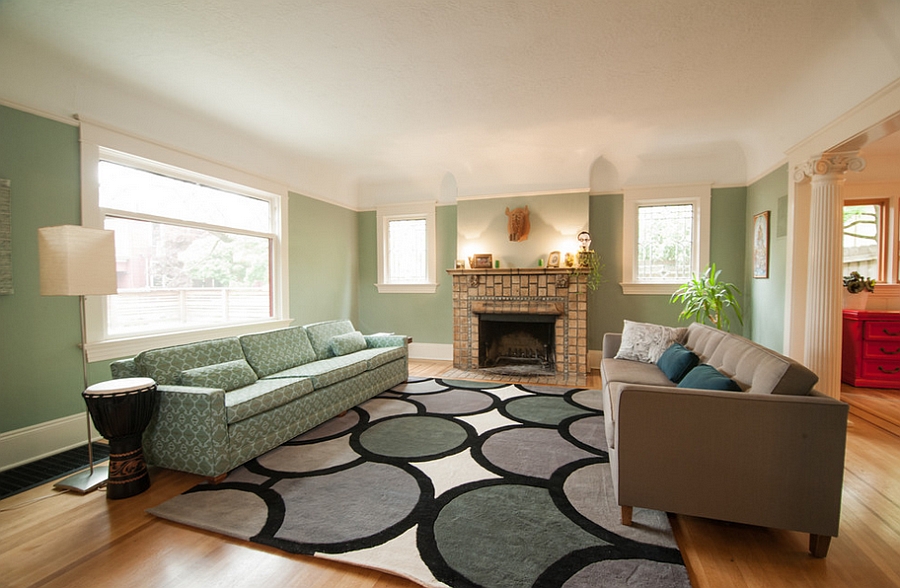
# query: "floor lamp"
77,261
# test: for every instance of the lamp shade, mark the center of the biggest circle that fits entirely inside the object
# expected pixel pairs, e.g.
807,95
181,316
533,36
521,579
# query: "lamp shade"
77,261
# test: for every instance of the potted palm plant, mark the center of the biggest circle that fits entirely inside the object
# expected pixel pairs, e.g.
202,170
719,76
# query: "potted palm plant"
707,299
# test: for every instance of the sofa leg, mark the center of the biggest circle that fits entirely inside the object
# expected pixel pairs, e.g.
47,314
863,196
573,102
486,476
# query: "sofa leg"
818,545
626,515
216,479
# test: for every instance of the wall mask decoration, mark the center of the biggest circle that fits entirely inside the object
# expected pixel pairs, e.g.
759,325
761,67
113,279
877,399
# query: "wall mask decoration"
519,225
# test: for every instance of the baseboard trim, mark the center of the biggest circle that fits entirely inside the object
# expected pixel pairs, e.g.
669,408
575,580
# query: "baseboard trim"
42,440
436,351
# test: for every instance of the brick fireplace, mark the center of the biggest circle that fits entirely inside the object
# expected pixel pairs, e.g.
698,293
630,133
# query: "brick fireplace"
528,296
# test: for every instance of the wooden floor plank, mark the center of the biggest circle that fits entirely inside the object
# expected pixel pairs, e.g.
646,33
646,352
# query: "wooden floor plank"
72,540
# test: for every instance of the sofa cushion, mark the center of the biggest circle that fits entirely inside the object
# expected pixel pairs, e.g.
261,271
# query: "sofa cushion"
677,361
325,372
646,342
320,335
264,395
379,356
226,376
633,372
166,364
706,377
278,350
347,343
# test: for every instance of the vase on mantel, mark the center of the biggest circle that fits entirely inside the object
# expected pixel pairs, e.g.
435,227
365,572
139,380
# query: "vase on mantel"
855,301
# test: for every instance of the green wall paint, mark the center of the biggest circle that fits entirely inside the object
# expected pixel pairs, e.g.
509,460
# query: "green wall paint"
609,307
766,326
427,318
323,261
40,362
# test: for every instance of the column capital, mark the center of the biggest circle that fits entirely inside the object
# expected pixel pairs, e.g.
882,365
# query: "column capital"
829,164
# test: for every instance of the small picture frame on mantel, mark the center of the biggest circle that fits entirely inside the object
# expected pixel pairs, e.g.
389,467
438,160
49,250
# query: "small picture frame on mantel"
482,261
553,259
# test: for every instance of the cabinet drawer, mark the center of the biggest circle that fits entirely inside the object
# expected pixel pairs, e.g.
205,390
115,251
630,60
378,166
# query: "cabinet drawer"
889,350
881,369
882,330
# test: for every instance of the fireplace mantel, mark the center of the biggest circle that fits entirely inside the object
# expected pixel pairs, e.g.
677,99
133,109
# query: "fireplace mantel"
559,292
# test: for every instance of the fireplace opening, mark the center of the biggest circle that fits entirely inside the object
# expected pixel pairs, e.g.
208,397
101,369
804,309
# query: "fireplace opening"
517,344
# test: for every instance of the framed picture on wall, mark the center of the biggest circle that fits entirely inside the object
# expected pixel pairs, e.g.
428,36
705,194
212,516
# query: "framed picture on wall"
761,245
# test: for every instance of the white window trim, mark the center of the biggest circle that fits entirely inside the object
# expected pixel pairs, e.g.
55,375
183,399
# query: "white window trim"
699,195
416,210
97,139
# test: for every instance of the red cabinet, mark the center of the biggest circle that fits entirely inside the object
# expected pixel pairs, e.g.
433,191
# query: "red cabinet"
871,349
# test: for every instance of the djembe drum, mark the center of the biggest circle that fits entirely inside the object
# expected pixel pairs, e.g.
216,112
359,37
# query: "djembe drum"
121,410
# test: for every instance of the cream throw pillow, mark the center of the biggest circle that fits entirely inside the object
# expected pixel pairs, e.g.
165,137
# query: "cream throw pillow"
646,342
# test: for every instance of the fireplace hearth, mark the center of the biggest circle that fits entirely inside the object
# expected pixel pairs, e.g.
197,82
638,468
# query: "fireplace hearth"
521,322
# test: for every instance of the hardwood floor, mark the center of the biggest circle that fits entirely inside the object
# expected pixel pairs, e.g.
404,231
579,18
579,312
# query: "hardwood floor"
54,539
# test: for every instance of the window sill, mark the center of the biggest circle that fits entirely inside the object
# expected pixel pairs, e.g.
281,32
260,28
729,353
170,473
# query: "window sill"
429,288
650,288
128,347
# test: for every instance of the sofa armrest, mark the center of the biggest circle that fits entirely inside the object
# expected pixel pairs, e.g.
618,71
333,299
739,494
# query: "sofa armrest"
769,460
611,342
383,340
124,368
189,430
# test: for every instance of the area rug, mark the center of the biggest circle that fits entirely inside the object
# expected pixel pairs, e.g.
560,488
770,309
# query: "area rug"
449,483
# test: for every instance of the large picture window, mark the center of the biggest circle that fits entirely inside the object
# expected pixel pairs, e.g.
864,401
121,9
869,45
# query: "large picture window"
198,256
864,241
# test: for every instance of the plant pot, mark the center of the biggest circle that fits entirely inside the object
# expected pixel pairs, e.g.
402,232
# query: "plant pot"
855,301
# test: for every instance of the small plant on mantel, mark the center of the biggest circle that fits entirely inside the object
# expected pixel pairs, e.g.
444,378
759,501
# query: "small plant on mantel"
707,298
589,263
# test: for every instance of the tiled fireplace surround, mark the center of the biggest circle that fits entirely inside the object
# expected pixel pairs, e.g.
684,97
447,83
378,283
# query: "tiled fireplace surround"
547,291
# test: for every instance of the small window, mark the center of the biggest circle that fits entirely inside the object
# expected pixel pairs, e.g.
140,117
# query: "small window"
665,242
665,236
406,249
863,241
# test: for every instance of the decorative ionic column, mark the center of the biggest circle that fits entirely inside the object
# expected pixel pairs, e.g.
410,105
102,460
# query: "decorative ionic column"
824,277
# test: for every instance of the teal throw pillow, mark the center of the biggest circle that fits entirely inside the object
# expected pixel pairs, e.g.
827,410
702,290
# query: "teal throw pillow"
348,343
677,361
706,377
227,376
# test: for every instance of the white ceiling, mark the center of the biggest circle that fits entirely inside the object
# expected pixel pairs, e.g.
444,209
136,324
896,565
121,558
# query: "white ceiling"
364,102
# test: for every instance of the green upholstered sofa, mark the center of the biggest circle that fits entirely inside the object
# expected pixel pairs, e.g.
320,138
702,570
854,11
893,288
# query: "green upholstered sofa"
770,453
225,401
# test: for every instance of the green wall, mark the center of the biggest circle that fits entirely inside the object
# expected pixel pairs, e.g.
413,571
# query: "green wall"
766,326
40,361
609,307
323,261
427,318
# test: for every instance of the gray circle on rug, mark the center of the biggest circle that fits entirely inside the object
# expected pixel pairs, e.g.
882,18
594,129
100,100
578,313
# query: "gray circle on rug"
591,431
420,387
231,512
347,505
456,402
335,426
413,436
542,410
530,451
309,458
589,398
630,573
506,534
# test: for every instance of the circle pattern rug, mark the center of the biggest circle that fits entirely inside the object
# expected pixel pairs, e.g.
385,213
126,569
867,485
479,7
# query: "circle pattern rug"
449,483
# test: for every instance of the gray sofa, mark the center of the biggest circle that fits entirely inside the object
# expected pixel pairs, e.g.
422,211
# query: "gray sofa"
770,454
225,401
